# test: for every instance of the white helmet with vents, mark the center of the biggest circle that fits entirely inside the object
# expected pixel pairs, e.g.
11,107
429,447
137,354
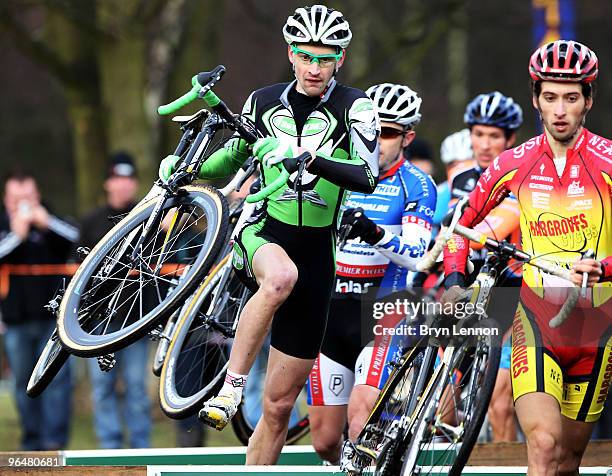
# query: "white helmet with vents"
396,103
456,147
317,24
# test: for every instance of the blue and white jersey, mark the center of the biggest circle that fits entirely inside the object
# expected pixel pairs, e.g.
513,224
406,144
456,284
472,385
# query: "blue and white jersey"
403,204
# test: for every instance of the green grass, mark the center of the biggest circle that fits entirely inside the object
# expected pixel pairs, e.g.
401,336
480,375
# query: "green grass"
82,434
82,431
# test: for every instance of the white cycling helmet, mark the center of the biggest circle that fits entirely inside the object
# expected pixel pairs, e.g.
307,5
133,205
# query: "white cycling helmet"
317,24
396,103
456,147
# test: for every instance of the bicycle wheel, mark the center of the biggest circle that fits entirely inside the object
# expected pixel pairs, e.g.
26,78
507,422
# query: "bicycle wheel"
444,432
377,442
251,407
198,355
114,299
51,360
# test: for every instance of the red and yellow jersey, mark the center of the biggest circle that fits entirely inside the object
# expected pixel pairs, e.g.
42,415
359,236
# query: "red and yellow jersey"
560,217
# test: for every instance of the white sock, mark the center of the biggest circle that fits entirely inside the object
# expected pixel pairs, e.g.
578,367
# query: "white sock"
234,384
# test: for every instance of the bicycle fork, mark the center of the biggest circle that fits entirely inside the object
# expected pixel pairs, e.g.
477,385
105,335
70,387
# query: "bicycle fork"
428,412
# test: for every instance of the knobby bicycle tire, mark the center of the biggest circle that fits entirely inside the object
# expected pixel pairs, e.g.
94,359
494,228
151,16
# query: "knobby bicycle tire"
470,386
375,443
198,355
51,360
189,234
484,393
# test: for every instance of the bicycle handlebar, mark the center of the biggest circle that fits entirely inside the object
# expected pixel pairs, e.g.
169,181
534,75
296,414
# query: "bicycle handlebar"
473,235
202,84
271,188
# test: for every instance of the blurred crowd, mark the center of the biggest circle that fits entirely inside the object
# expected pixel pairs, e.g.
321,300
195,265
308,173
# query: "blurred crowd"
35,248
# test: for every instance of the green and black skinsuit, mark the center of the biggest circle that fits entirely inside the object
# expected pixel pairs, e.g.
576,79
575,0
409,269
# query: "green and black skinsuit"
343,129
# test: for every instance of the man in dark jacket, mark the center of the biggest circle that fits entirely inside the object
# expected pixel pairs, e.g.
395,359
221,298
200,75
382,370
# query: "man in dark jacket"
32,245
121,186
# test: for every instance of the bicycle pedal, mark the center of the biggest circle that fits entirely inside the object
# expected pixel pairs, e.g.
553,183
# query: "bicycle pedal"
82,252
157,334
54,304
106,362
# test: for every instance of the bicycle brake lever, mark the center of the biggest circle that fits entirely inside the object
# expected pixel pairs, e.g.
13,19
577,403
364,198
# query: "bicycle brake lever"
585,276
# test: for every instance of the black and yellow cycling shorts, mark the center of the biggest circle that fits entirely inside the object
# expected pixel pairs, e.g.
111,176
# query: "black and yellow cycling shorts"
578,377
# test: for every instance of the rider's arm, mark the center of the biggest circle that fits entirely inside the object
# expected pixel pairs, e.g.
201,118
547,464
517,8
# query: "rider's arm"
359,171
490,191
407,249
225,161
502,221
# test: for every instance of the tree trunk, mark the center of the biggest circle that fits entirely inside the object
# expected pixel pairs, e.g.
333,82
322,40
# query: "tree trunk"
122,66
89,145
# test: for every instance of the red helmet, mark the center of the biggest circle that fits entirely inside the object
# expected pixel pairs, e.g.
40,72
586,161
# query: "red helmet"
563,60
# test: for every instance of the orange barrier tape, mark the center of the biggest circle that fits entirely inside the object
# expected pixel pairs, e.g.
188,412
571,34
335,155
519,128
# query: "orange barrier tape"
8,270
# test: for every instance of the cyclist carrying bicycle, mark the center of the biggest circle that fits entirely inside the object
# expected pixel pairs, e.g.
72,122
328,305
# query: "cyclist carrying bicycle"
493,120
393,225
563,182
286,250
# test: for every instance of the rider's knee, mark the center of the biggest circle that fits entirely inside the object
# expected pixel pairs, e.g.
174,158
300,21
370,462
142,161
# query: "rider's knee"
327,445
278,410
544,445
279,285
501,409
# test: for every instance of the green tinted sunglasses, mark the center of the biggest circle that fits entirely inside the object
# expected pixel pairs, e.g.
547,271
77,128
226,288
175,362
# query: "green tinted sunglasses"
322,60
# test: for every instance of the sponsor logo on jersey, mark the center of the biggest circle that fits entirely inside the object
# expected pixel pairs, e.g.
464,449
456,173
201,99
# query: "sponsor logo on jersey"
520,150
336,383
574,171
520,362
285,123
411,206
352,287
605,384
540,200
387,190
558,227
363,271
540,186
455,244
375,207
542,178
486,175
238,257
425,210
414,251
542,166
422,180
308,195
495,164
601,144
417,220
581,204
574,189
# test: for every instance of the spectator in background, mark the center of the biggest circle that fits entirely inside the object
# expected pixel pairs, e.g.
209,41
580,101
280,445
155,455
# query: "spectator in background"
456,154
121,186
30,235
419,154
